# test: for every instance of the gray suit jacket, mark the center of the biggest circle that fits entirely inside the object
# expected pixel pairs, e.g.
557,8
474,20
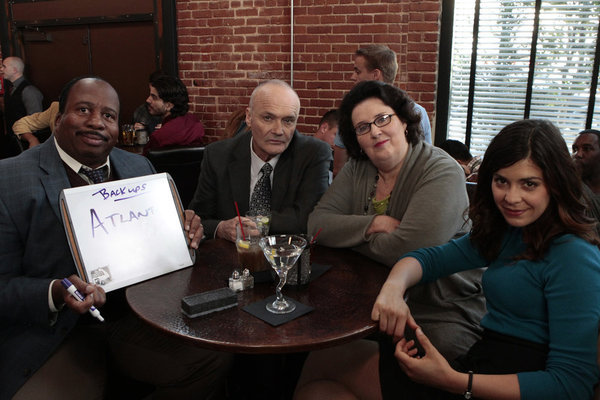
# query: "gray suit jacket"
33,251
301,176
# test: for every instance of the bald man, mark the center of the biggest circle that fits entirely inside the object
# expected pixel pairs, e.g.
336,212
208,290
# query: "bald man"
22,98
232,168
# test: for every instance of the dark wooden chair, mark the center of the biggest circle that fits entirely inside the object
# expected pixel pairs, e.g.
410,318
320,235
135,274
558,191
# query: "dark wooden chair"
183,164
471,187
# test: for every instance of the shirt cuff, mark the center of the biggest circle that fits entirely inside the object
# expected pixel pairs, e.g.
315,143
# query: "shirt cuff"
217,229
51,305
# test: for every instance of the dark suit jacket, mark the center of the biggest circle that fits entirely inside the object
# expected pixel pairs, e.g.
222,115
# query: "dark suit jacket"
33,251
300,178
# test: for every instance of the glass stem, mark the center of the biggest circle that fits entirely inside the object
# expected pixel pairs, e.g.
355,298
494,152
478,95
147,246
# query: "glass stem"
280,285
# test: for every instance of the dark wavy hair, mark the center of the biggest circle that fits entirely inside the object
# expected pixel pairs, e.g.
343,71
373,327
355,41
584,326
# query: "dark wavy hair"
396,98
543,144
171,89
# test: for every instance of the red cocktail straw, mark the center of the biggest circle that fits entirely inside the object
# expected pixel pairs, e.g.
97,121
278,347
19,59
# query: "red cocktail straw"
315,237
240,219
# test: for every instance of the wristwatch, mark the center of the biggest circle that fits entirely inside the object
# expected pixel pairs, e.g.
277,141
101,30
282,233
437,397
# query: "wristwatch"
469,392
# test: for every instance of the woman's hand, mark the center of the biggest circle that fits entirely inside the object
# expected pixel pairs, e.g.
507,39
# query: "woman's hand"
391,311
383,224
432,369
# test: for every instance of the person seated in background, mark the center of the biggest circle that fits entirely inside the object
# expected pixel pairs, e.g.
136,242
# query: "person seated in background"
376,62
586,154
27,128
397,194
49,340
542,285
461,154
142,119
328,127
272,166
169,99
236,124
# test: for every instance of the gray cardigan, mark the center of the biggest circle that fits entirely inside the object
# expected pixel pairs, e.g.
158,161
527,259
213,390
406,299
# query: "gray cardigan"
430,199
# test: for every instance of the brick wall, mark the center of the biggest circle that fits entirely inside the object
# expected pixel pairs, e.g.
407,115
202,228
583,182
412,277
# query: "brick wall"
227,46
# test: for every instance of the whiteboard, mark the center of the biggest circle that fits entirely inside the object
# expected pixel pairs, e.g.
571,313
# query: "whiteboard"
126,231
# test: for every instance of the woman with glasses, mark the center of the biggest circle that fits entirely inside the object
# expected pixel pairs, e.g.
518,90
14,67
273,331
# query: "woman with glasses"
398,194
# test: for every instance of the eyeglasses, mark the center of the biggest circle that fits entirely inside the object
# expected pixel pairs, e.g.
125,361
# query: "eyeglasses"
379,122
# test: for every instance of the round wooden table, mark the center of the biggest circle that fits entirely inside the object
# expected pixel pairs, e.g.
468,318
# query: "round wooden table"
342,299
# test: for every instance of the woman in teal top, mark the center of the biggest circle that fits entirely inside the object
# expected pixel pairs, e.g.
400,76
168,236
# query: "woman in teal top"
542,287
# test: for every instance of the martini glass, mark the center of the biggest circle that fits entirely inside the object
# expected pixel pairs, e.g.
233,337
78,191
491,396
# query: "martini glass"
282,251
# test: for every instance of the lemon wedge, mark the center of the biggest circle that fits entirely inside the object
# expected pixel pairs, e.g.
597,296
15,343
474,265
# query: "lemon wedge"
244,244
264,220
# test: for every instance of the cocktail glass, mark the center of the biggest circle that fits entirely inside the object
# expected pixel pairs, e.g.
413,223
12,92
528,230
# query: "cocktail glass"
249,252
282,251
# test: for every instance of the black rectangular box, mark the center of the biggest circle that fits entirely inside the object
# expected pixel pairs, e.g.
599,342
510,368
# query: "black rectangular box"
207,302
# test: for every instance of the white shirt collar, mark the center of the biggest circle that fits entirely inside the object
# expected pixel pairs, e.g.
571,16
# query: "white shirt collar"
74,164
256,163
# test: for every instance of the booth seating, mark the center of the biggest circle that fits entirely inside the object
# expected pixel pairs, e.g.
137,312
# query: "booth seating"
183,164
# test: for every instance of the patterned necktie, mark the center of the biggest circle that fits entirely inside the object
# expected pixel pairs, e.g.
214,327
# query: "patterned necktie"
261,196
95,175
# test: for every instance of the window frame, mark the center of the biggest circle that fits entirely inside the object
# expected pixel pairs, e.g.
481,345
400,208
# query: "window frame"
445,69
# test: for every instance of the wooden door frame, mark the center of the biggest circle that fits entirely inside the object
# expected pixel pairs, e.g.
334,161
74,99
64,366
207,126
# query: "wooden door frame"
164,19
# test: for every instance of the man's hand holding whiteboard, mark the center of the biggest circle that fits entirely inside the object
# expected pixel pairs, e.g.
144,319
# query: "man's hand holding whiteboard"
123,232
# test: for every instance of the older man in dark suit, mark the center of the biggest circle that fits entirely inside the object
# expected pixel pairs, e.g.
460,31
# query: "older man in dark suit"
49,345
295,167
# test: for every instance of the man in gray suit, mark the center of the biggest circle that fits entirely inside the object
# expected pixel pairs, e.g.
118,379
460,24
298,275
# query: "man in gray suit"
50,346
232,168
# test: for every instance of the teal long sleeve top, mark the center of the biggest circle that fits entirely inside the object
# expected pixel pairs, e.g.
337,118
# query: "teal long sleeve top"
554,301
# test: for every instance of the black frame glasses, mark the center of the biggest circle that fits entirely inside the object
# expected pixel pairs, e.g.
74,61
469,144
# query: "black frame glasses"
380,122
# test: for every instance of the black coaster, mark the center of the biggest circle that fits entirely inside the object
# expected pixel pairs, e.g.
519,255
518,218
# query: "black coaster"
258,309
316,270
262,276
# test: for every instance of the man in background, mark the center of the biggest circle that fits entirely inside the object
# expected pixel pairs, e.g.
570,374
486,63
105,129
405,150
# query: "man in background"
169,100
21,98
328,127
460,152
586,154
375,63
27,128
272,162
142,119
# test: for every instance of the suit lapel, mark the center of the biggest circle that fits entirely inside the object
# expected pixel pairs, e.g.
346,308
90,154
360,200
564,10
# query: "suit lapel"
121,169
239,173
282,175
55,178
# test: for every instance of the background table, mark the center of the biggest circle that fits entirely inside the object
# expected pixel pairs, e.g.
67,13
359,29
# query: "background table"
342,299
